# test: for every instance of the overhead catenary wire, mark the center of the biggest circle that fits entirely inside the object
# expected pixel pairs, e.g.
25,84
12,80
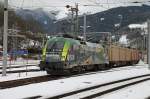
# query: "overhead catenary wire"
95,3
22,4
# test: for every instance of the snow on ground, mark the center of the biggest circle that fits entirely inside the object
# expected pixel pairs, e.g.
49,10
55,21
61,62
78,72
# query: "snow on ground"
19,65
16,76
140,63
56,87
139,91
20,61
22,68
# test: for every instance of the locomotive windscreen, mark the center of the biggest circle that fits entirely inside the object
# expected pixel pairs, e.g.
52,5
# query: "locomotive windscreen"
54,50
55,46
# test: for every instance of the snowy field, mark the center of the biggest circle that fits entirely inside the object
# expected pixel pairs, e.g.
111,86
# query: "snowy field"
21,62
139,91
22,68
56,87
15,76
28,64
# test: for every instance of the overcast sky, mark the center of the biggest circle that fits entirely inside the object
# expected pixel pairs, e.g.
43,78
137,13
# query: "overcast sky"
59,5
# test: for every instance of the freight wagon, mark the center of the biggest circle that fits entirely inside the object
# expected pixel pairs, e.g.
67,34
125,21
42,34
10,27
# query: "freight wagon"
120,56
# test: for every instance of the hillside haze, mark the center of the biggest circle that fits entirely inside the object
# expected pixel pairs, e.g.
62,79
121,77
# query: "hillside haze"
106,21
42,17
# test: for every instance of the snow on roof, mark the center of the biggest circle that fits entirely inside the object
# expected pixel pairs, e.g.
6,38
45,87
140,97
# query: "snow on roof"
123,39
142,26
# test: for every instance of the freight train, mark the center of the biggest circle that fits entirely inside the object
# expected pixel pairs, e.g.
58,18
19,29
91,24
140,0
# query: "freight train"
64,55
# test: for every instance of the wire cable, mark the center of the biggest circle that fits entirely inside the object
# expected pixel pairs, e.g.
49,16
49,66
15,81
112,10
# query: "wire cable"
96,4
22,4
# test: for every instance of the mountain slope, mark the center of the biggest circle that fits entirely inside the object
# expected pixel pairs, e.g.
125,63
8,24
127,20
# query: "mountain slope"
107,21
112,19
43,18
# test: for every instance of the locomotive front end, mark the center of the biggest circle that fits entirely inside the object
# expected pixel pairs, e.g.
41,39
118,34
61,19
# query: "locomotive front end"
54,56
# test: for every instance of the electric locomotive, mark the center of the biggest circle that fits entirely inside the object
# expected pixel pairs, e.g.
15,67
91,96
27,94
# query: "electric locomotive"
67,54
64,55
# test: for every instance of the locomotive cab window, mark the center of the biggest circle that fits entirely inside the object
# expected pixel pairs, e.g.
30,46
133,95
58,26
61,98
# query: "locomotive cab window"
55,46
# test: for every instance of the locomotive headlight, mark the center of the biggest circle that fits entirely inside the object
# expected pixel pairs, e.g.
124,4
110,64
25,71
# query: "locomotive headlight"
63,58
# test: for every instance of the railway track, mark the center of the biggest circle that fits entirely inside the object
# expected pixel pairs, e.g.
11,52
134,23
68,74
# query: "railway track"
11,67
21,71
102,89
107,70
26,81
148,97
25,68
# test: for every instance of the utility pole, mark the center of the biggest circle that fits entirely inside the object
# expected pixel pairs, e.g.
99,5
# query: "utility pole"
77,19
84,26
148,52
5,37
74,23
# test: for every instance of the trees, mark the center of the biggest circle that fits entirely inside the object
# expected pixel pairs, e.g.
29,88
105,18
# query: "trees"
31,29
